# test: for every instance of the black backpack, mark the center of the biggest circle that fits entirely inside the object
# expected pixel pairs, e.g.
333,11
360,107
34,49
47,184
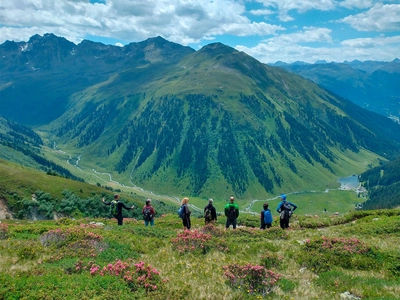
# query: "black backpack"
147,213
207,214
231,213
286,210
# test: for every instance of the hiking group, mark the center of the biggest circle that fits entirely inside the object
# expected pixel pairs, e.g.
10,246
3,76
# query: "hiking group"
231,211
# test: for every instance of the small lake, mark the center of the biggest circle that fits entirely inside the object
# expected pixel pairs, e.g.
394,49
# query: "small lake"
350,182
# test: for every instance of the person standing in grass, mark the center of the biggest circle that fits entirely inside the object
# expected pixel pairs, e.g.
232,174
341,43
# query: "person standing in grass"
186,214
231,213
148,213
210,213
116,208
285,210
266,217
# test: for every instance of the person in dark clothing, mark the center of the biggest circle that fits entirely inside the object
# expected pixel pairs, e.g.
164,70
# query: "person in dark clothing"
117,212
285,210
186,214
232,213
148,213
210,213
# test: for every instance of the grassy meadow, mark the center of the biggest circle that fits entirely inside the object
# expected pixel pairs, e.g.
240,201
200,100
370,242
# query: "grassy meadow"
357,253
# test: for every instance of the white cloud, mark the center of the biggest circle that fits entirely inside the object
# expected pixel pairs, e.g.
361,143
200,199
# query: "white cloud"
372,42
291,48
130,20
356,3
261,12
379,18
301,6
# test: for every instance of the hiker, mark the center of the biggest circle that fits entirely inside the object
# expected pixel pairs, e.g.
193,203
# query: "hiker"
186,214
266,217
231,213
210,214
285,210
116,208
148,213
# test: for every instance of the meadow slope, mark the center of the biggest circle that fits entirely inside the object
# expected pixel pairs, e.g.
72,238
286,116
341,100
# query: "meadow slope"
317,258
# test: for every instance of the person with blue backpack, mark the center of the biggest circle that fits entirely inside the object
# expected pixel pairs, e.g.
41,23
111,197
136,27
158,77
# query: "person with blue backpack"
285,210
266,217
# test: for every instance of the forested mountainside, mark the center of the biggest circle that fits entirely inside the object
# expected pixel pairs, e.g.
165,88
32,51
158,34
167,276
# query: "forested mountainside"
21,144
383,184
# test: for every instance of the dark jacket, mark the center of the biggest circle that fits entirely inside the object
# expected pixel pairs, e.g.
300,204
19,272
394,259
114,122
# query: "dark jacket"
120,205
213,211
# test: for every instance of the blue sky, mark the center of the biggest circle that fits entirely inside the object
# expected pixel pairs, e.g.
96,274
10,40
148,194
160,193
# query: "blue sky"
269,30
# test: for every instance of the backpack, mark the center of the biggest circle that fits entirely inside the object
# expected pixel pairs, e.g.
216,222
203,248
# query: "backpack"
267,216
207,214
113,208
181,210
231,212
147,213
286,210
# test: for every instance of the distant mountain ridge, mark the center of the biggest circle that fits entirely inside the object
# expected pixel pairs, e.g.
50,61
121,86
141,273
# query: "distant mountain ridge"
177,121
27,66
370,84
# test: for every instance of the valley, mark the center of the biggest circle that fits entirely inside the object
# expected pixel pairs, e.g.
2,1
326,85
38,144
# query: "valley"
336,198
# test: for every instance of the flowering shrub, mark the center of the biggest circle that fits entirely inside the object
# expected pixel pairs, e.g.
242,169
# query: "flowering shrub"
322,253
338,245
190,241
213,230
137,276
250,278
3,231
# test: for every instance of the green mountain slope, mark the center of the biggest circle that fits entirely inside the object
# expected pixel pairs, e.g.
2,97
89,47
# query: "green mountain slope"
22,145
175,121
219,123
27,193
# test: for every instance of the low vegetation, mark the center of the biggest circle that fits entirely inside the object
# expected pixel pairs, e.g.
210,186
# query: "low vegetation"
93,258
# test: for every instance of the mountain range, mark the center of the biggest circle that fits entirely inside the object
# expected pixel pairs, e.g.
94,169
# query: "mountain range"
174,120
370,84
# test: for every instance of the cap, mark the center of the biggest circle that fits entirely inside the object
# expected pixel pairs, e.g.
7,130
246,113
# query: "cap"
283,197
210,200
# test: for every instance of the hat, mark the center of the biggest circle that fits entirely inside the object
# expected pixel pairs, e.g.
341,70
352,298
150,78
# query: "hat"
232,199
283,197
148,201
210,200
